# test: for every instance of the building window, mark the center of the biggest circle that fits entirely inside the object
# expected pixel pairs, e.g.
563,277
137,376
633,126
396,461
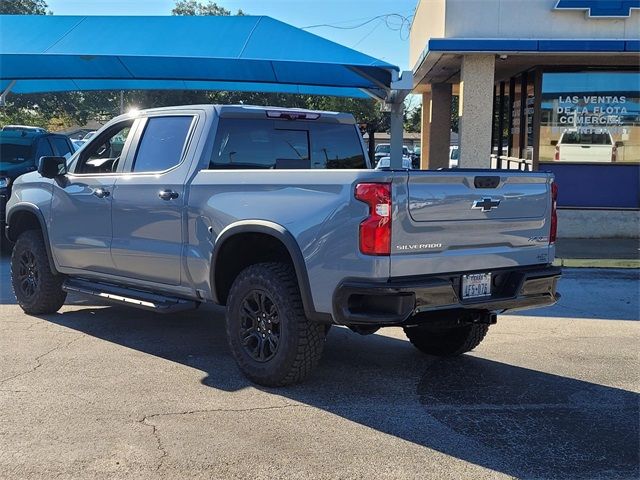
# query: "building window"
590,117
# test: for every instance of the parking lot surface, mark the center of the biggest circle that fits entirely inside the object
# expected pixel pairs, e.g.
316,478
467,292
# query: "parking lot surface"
109,392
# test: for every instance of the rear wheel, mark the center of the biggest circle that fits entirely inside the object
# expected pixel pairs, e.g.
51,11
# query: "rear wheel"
269,335
37,289
449,342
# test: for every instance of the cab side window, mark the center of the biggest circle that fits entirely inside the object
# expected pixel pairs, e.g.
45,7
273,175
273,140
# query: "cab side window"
103,154
162,144
259,144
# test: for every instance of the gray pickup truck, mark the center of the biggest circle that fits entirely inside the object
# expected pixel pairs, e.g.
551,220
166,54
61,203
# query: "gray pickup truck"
277,215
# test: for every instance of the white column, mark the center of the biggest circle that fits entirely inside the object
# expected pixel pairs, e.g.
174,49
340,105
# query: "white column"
476,110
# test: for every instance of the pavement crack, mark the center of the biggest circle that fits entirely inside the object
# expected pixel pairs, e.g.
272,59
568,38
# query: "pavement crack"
38,362
159,446
154,428
213,410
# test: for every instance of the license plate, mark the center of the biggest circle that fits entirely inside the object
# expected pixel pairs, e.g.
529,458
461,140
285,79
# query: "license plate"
476,285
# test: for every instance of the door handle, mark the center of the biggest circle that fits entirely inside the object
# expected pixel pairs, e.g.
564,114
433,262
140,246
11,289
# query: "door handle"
168,195
101,192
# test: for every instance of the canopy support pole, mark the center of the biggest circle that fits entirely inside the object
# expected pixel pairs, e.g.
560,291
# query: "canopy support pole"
400,88
3,95
396,131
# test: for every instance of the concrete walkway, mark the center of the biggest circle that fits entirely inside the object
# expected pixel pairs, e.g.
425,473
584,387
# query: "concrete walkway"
598,253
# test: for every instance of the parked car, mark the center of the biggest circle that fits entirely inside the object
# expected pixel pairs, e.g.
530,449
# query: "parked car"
23,128
19,151
385,162
454,156
384,149
88,135
575,145
277,215
77,144
415,157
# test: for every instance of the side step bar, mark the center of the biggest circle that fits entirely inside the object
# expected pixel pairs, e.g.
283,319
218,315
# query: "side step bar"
126,296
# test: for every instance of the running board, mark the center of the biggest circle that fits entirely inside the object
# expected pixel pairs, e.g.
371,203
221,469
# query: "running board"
126,296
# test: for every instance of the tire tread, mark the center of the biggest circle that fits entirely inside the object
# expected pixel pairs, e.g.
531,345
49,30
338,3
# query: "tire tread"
51,296
309,341
449,343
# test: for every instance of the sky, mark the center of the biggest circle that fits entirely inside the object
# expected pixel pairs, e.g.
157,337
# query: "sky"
375,38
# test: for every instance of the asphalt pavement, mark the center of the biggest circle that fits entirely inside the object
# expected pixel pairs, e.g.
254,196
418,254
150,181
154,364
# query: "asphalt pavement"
106,392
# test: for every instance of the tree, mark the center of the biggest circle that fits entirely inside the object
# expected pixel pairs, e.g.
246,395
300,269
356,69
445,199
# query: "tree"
413,122
194,7
23,7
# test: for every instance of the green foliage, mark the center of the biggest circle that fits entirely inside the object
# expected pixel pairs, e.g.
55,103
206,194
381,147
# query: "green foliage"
455,119
193,7
23,7
413,122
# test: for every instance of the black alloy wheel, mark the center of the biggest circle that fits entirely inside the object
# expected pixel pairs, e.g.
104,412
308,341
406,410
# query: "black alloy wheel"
28,275
259,326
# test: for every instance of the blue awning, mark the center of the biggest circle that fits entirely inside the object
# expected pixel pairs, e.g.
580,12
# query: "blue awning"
241,53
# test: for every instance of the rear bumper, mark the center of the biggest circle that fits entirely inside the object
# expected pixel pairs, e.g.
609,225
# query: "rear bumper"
362,302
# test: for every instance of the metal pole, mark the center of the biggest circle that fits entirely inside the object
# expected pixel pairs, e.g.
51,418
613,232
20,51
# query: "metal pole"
397,131
3,96
401,86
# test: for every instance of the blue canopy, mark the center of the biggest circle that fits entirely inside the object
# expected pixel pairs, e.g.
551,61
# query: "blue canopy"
48,53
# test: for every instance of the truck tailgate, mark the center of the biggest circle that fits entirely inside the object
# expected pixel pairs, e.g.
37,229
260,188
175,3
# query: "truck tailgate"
585,153
452,221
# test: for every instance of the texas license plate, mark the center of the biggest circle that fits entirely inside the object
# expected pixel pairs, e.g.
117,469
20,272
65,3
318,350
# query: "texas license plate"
476,285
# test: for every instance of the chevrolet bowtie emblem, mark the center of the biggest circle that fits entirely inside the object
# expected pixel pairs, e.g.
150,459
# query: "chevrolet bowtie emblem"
485,204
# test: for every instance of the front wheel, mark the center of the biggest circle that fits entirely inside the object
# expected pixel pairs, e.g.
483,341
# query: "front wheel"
37,289
269,335
446,343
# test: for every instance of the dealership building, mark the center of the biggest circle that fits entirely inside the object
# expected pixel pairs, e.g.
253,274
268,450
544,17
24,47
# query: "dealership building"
550,85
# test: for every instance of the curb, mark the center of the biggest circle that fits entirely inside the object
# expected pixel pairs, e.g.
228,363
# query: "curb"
597,263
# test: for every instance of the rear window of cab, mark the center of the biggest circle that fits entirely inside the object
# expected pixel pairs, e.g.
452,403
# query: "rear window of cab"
249,143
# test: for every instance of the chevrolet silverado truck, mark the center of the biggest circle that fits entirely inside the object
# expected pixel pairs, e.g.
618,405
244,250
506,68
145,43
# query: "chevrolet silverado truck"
277,215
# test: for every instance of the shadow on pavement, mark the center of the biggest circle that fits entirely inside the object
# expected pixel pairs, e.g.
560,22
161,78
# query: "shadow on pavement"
6,291
595,293
521,422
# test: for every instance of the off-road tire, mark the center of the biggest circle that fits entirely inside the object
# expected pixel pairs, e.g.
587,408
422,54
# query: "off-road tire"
47,295
446,343
300,341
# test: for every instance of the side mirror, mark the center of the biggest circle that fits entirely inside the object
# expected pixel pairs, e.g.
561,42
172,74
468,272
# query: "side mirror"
52,167
619,144
554,143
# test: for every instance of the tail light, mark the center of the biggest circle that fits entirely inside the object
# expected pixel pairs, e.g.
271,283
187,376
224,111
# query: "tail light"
554,213
375,230
557,155
614,153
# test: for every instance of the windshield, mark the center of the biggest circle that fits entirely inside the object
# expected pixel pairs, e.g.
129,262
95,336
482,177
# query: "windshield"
579,138
10,153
